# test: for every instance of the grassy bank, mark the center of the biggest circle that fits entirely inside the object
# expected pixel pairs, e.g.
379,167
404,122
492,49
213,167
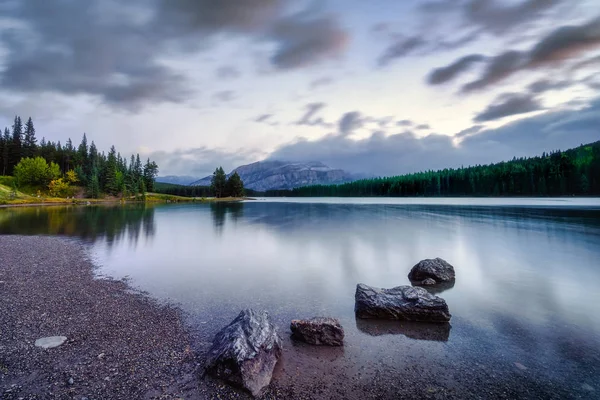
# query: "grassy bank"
11,197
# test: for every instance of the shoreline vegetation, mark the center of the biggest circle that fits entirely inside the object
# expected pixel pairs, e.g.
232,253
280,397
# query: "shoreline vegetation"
574,172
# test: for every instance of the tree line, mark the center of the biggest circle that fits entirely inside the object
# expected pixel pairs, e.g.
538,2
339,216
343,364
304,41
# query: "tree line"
41,164
222,186
558,173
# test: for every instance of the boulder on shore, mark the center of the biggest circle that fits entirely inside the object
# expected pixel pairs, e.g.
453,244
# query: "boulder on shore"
318,331
245,352
433,269
405,303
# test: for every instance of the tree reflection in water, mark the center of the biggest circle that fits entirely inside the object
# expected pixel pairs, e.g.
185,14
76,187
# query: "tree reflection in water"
89,223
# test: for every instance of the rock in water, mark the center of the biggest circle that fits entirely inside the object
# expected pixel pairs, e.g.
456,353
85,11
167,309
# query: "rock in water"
436,269
245,352
405,303
319,331
50,342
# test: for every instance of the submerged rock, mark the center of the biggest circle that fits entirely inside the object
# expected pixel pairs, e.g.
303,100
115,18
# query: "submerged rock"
405,303
319,331
245,352
50,342
435,269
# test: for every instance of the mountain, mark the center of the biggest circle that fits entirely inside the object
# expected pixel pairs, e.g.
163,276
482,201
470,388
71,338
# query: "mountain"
177,180
269,175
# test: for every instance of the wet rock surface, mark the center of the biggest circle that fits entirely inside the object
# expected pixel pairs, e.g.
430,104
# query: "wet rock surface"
245,352
318,331
433,269
404,303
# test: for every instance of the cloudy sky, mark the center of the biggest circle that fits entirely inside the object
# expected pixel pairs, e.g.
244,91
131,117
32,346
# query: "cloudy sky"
380,87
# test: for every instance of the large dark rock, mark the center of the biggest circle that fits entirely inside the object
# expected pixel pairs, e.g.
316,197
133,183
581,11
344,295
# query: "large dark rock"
245,352
434,269
319,331
405,303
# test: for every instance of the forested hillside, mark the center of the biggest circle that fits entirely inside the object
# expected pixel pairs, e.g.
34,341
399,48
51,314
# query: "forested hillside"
559,173
54,165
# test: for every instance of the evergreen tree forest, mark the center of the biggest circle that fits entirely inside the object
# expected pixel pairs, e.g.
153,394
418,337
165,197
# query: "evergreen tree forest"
575,172
97,172
222,186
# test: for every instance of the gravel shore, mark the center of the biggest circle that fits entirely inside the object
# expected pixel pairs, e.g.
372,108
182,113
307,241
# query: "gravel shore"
121,344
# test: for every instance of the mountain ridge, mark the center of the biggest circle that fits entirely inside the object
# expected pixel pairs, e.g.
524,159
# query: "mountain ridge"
276,175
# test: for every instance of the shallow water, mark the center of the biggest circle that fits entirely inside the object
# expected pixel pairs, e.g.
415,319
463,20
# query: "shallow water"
525,306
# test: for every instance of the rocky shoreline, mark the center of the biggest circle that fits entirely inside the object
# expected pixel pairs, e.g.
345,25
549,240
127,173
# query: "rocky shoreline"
121,344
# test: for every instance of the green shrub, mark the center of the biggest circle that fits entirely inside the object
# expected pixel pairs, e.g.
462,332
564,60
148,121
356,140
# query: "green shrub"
35,172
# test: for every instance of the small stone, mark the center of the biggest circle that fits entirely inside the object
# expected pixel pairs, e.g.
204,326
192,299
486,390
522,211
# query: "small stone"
428,282
71,381
101,356
50,342
318,331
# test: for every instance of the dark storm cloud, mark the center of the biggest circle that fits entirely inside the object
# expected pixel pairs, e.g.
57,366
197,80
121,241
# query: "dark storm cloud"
494,16
263,117
210,16
84,48
116,51
498,18
545,85
447,73
349,122
507,105
497,69
590,62
309,117
561,45
401,48
303,40
404,122
394,154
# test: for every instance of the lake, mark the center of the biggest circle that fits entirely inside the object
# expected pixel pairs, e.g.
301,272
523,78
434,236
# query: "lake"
525,306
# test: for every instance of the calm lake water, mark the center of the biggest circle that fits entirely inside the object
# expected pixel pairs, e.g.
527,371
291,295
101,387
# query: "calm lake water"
525,306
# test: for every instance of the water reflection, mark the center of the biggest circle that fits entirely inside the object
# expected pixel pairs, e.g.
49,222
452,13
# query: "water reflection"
436,289
524,291
413,330
221,210
89,223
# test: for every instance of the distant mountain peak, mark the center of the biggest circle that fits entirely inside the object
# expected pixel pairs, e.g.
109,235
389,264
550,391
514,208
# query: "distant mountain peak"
278,174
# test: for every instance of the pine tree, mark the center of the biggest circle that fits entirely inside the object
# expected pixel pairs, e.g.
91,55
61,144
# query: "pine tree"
112,185
16,145
94,186
150,173
29,140
218,182
234,186
2,146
